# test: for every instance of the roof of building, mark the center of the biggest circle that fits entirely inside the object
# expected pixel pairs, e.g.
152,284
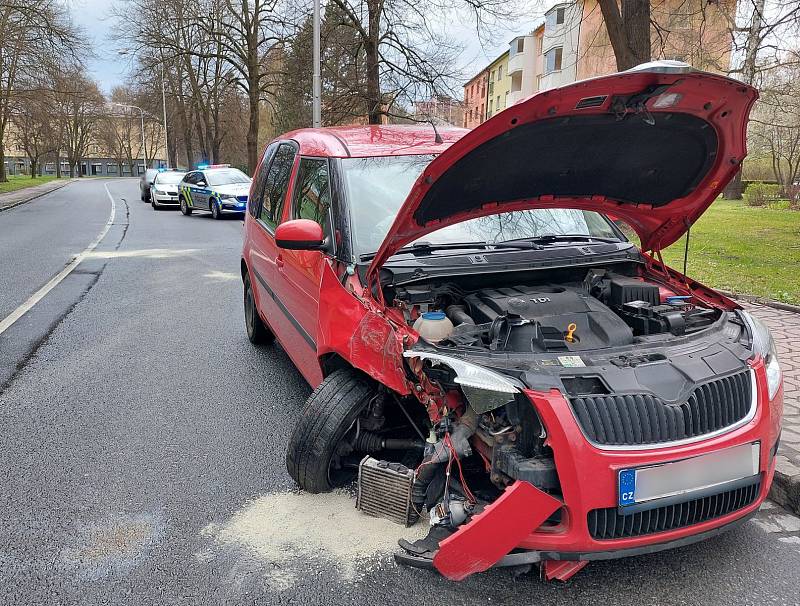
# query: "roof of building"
376,140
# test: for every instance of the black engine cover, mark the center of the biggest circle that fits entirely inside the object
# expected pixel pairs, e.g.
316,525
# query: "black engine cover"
539,317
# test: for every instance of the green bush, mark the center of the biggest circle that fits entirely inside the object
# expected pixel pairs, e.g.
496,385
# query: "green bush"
761,194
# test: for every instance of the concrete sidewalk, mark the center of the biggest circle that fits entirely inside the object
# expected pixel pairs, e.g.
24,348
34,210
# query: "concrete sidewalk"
785,327
20,196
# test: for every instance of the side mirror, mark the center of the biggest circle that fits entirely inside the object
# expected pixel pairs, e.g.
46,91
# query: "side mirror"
300,234
202,183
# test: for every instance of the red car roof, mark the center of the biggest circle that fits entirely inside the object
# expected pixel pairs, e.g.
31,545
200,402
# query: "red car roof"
366,141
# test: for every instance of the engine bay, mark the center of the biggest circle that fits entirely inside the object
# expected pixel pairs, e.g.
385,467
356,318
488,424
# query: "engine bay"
603,309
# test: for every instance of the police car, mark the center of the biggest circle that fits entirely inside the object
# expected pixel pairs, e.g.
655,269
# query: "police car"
215,188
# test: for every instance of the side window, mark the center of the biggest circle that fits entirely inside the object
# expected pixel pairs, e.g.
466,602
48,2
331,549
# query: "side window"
312,196
261,178
275,187
190,178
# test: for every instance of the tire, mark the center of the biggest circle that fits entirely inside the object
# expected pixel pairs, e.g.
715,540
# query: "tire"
185,209
327,416
216,213
154,204
257,332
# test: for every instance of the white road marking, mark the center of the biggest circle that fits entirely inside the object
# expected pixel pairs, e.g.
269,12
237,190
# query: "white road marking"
40,294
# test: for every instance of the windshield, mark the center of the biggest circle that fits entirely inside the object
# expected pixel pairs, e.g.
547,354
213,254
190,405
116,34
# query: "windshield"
377,187
226,177
170,178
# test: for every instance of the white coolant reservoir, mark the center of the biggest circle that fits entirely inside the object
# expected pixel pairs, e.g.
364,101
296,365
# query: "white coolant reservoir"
433,326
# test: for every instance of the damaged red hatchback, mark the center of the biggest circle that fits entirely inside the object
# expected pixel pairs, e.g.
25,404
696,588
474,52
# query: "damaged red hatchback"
468,309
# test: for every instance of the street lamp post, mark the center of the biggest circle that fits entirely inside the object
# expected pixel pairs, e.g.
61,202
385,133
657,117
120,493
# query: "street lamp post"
126,51
141,112
316,93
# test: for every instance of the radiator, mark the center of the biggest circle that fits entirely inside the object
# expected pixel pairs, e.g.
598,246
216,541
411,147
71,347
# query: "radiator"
384,491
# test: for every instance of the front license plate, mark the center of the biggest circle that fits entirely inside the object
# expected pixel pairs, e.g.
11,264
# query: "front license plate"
642,484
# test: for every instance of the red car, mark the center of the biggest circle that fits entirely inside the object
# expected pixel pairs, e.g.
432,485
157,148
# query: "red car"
468,309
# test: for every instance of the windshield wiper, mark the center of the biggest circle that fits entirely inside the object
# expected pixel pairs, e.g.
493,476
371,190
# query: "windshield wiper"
424,247
550,238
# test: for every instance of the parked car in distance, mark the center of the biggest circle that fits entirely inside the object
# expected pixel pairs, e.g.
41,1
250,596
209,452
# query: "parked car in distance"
145,182
218,189
164,190
465,307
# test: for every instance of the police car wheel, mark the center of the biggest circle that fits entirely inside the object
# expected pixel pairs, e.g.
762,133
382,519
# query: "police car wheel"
185,207
154,204
215,211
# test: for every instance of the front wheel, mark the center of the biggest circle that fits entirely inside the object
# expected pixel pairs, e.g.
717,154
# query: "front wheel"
154,204
216,213
315,457
185,209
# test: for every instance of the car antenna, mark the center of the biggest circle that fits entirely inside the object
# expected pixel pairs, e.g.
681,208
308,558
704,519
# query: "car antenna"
438,137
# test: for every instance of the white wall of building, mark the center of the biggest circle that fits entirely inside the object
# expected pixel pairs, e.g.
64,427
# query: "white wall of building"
560,67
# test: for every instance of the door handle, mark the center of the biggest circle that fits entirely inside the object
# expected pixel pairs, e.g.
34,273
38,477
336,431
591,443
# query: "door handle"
279,262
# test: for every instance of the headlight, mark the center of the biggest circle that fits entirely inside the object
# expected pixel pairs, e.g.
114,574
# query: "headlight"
485,389
764,345
227,197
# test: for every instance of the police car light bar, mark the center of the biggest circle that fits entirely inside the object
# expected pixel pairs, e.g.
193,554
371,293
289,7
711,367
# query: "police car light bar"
205,166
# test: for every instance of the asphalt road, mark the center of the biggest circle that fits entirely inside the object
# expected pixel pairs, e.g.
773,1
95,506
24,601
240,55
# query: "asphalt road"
142,439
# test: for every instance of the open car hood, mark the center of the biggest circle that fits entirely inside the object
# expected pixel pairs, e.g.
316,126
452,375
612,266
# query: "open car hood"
652,146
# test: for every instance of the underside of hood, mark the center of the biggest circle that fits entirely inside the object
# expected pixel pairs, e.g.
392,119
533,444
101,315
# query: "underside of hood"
653,146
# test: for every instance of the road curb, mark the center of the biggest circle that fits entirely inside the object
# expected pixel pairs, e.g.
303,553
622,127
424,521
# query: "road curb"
785,488
38,194
761,301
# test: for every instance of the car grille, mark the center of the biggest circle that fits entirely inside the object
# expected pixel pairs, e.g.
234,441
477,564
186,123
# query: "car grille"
636,419
607,523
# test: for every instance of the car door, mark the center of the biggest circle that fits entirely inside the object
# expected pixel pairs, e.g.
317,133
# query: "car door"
201,191
300,273
186,187
267,260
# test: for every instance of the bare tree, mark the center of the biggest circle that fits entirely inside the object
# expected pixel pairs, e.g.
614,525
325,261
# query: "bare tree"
34,129
775,124
79,106
628,25
31,34
407,53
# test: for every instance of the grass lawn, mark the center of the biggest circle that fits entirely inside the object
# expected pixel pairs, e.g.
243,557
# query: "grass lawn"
22,181
754,251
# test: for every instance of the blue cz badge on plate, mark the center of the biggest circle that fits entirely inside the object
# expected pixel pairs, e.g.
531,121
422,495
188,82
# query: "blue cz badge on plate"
627,487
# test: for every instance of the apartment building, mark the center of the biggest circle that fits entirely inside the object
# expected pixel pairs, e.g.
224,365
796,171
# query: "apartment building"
572,44
475,99
499,85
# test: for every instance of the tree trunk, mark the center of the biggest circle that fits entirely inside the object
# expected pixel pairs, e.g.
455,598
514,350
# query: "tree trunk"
253,125
3,175
372,61
734,189
58,164
33,168
628,31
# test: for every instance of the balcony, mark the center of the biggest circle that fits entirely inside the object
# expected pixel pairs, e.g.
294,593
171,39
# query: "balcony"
516,63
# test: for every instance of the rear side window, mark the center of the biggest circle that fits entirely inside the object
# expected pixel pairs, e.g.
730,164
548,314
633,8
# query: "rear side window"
260,180
312,198
275,187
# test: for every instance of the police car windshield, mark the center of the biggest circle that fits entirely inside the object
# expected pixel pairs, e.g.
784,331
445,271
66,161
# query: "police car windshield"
170,178
226,176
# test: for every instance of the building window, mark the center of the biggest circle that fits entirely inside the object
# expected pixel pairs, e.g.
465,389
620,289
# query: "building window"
111,169
555,18
552,60
497,104
500,73
490,107
520,45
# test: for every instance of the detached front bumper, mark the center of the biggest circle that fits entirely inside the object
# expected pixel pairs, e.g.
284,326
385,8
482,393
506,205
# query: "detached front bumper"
589,474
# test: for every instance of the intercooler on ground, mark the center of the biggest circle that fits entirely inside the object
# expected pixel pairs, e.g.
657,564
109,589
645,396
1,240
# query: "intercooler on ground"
384,491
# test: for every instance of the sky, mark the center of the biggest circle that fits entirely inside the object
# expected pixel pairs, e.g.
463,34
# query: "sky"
110,69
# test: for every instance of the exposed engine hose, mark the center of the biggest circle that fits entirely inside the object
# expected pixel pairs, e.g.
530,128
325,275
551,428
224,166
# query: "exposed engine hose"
459,437
371,442
458,315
